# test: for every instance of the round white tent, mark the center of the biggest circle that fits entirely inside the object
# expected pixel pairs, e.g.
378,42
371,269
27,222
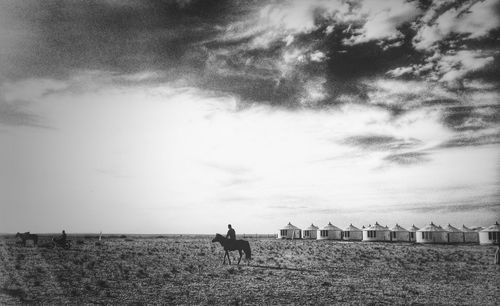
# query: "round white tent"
310,232
376,232
490,235
432,234
399,233
330,232
289,231
454,234
413,232
470,236
352,233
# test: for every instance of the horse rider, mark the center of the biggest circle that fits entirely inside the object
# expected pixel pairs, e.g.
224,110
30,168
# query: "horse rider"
62,239
231,234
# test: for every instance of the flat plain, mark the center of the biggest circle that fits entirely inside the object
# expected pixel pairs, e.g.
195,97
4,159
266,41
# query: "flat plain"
189,270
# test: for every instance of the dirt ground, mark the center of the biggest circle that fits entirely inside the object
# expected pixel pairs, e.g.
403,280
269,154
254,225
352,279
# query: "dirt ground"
189,270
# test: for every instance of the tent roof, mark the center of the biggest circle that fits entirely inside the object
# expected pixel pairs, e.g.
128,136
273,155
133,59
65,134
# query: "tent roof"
413,228
493,228
352,228
398,228
451,228
331,227
431,228
376,227
290,226
466,229
312,227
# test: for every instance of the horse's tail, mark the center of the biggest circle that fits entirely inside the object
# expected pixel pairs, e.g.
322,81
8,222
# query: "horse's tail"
247,250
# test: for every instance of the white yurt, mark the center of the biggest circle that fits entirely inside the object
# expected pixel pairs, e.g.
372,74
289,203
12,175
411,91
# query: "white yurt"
454,234
376,232
470,236
289,231
399,233
432,234
352,233
490,235
413,232
310,232
330,232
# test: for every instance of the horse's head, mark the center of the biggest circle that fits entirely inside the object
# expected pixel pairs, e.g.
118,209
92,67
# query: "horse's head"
218,238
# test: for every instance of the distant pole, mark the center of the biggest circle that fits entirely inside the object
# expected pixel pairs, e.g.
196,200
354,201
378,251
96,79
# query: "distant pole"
100,235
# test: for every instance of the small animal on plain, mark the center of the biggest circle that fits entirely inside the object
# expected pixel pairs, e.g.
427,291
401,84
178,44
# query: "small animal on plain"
234,245
27,236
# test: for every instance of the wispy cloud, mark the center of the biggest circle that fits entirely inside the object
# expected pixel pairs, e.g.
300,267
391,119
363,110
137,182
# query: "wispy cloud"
470,206
31,89
408,158
381,142
15,115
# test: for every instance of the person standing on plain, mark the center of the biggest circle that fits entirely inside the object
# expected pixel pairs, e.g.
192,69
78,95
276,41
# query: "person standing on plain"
231,234
63,237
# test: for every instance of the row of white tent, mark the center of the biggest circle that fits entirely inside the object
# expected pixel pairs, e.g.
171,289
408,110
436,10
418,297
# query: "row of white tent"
429,234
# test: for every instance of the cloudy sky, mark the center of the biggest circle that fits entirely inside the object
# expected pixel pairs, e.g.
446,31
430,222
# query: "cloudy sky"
183,116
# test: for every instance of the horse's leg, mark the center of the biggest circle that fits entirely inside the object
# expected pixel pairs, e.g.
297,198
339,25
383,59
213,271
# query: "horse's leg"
225,254
241,254
228,258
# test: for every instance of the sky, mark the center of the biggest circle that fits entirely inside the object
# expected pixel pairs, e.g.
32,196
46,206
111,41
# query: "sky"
183,116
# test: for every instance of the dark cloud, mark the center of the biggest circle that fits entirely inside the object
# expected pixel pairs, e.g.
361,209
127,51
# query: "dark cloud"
347,64
471,118
463,140
196,41
381,142
282,93
66,35
408,158
440,102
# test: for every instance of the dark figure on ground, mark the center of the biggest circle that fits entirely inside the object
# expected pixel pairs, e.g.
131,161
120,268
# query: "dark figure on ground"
234,245
27,236
231,234
62,241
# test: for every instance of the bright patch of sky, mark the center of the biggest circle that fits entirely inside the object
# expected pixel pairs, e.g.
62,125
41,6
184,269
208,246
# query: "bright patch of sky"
166,159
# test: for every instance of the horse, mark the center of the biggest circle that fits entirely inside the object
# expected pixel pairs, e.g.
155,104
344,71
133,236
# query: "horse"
27,236
233,245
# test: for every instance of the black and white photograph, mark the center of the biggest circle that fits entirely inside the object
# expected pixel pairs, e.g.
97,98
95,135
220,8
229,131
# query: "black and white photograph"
250,152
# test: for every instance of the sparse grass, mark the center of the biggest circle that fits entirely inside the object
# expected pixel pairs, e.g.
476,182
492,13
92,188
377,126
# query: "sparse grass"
190,271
